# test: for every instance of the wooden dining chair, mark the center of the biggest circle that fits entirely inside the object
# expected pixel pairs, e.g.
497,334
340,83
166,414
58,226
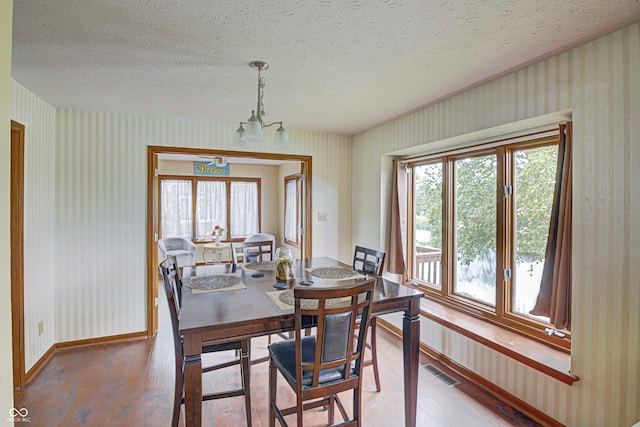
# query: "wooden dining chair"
370,261
318,367
242,252
172,285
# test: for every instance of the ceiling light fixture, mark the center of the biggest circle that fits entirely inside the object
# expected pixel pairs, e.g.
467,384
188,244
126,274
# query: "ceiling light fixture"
255,124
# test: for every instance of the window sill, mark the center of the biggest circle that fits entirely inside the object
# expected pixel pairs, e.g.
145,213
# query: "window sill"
536,355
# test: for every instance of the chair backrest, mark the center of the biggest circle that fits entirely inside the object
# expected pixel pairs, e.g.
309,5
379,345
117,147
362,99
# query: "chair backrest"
170,284
335,350
368,260
171,243
251,251
260,237
170,267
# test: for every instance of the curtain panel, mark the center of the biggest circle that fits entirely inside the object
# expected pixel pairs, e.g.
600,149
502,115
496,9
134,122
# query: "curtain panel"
554,298
398,240
175,208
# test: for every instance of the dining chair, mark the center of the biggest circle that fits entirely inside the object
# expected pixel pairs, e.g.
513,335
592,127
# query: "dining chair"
318,367
172,285
242,252
370,261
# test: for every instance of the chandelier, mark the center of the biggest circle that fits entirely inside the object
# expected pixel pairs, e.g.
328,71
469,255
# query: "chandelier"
252,132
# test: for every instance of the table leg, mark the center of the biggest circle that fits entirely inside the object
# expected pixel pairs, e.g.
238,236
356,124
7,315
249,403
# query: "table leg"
411,353
193,390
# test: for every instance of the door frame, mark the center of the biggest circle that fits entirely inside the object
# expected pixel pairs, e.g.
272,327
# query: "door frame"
153,209
17,254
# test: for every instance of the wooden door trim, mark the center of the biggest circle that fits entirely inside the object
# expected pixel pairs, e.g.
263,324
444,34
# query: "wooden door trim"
17,253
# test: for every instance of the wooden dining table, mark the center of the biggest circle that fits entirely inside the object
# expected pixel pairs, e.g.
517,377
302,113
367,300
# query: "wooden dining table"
231,315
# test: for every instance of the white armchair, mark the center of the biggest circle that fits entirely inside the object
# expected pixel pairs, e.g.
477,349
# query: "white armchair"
259,237
183,249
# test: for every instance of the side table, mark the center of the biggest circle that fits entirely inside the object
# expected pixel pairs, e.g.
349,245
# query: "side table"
215,250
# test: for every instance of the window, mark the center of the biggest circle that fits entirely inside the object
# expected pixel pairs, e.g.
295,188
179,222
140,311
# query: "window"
191,207
244,208
292,210
175,199
211,207
479,225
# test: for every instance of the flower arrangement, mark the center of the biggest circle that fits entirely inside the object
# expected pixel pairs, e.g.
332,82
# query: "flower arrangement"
217,231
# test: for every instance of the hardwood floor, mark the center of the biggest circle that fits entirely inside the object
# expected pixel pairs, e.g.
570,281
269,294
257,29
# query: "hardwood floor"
131,384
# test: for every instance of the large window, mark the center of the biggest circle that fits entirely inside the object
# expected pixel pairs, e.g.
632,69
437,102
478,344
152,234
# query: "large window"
480,223
292,210
191,207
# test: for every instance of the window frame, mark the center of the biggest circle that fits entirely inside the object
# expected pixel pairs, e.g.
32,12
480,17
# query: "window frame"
502,314
194,185
297,178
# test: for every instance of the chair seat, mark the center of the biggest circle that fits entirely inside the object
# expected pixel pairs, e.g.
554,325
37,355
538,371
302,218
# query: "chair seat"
178,252
284,355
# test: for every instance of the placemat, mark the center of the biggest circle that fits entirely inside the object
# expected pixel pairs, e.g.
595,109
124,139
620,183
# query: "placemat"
334,273
264,266
285,301
214,283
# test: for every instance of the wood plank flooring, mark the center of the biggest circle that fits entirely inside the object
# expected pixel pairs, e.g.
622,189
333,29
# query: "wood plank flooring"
131,384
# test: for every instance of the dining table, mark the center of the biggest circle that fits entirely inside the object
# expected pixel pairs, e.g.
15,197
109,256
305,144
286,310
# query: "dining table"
250,310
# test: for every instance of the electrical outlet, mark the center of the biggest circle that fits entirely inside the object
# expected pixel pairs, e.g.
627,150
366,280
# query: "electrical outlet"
322,216
40,327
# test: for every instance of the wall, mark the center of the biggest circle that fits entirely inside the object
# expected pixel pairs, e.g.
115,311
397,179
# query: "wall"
601,83
38,117
100,220
6,372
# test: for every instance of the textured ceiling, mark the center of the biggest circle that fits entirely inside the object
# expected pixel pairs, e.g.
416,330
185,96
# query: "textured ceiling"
336,66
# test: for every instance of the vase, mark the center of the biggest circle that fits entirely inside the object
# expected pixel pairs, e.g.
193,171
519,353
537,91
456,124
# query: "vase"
217,240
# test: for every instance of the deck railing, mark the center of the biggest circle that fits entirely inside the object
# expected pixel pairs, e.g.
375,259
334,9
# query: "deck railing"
428,264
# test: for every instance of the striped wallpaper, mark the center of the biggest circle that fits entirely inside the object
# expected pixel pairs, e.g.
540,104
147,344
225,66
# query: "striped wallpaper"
600,83
39,119
86,211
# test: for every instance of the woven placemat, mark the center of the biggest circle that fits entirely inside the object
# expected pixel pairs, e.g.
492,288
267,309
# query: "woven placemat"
285,301
264,266
216,282
334,273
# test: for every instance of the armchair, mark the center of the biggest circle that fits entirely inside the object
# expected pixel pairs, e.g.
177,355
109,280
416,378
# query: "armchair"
183,249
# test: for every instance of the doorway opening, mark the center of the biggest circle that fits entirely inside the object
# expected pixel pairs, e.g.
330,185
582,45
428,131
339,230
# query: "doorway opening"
158,156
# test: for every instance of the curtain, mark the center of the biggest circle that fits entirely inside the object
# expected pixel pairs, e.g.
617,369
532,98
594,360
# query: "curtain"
211,207
397,247
175,208
244,208
290,213
554,298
